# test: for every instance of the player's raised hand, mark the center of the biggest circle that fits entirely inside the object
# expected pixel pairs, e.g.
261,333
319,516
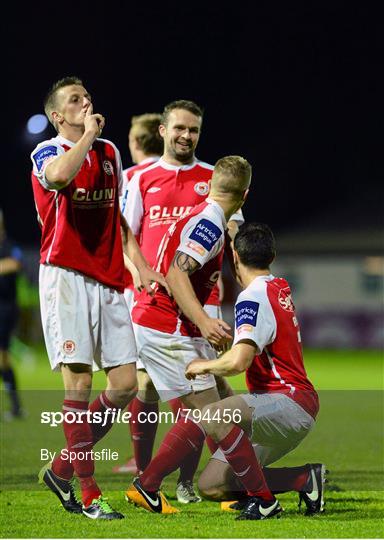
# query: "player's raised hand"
149,277
196,367
93,122
216,331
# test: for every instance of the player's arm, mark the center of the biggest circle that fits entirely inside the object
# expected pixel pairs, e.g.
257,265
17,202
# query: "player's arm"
232,230
183,266
233,362
133,253
62,170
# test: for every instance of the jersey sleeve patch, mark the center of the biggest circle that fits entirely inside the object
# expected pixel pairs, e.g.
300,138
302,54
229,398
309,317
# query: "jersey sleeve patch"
204,236
246,316
43,155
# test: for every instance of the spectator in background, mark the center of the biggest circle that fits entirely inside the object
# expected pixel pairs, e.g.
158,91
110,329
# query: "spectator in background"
10,265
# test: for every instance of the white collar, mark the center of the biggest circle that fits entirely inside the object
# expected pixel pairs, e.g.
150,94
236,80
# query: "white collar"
171,167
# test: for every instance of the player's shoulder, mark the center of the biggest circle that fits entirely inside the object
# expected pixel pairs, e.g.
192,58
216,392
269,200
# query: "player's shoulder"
54,142
256,290
204,165
46,151
109,144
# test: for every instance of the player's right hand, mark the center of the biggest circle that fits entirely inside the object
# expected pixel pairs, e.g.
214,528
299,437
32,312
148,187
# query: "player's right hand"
93,123
216,331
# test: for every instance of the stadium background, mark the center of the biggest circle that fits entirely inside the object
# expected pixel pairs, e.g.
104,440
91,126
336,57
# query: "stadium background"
297,90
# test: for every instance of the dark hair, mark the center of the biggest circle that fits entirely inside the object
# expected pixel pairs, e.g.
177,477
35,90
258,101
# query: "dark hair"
146,132
50,99
255,245
181,104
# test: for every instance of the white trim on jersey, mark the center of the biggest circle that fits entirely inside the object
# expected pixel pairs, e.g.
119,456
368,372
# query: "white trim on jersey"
238,217
56,220
277,374
133,209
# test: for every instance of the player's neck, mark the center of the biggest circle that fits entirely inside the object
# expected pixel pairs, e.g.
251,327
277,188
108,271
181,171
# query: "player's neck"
247,275
72,134
228,205
171,160
140,157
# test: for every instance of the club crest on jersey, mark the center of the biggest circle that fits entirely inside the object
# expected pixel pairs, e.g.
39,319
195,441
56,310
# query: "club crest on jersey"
44,155
69,347
108,167
246,316
206,234
285,299
201,188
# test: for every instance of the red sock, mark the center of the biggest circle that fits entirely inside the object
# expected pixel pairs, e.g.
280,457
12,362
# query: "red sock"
239,453
212,445
175,405
284,479
183,439
188,466
79,438
89,490
143,432
101,405
60,466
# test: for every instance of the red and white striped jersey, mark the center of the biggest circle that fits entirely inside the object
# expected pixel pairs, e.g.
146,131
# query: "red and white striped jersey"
265,314
200,234
161,194
80,223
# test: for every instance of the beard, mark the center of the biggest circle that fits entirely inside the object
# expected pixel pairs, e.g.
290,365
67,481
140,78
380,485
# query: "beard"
184,156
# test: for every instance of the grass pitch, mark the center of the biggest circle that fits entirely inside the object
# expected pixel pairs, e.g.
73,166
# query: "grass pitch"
348,438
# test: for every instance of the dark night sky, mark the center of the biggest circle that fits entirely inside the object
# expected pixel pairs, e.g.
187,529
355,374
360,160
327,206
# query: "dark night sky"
296,89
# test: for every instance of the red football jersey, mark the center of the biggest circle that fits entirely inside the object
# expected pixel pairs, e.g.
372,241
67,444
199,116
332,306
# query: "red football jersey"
80,224
128,173
127,177
158,196
200,234
265,314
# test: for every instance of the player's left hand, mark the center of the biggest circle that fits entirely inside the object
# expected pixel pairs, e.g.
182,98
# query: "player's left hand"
149,277
196,367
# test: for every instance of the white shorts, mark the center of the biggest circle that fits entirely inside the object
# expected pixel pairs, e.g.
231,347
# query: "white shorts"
279,424
165,357
84,322
211,310
129,296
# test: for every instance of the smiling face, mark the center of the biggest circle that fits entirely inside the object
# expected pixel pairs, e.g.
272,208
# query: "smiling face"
72,103
181,135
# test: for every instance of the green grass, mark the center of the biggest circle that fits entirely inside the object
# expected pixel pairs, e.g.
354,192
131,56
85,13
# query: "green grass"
348,437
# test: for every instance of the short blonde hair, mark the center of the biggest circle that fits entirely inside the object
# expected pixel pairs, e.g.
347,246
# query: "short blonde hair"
50,103
145,129
232,174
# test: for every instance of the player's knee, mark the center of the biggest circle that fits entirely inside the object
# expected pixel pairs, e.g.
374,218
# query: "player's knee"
207,488
146,391
209,414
